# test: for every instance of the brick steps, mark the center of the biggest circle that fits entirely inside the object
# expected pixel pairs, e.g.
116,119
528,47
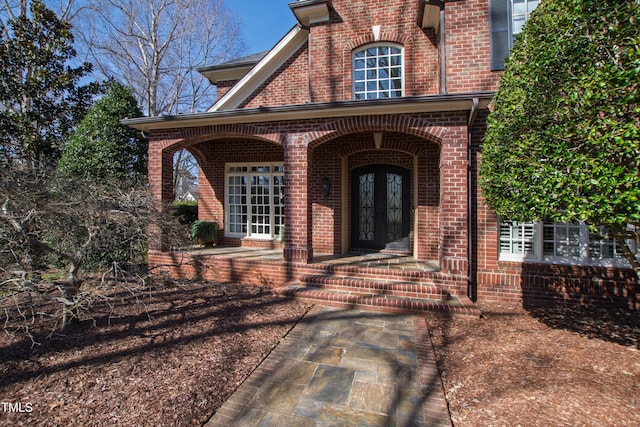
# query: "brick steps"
372,294
407,289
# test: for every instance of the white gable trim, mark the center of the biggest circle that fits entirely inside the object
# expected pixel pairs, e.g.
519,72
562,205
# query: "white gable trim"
276,57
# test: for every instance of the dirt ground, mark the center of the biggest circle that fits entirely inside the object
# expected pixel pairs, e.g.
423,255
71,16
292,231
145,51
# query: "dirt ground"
172,355
566,366
168,357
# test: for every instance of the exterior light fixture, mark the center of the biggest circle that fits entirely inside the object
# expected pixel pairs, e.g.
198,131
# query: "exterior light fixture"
326,186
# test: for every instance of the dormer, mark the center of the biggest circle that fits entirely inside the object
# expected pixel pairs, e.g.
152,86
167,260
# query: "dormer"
231,70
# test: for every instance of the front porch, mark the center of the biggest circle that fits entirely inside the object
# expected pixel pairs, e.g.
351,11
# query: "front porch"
372,281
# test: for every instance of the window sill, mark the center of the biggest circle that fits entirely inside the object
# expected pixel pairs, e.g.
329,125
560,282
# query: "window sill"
622,264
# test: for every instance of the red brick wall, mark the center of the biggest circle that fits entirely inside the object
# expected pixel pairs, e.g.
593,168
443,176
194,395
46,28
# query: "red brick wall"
467,53
223,87
467,46
327,210
351,27
330,54
288,86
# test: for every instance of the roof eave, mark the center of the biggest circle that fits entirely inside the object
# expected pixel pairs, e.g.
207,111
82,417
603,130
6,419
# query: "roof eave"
406,105
231,70
226,74
258,74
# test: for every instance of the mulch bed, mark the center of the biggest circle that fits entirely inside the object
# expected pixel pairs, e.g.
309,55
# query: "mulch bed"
168,356
172,355
563,366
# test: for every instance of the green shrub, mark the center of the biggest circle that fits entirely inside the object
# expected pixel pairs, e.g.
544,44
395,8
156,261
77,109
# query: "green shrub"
186,212
206,233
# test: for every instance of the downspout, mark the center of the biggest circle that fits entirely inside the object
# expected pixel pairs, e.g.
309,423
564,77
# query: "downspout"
443,54
471,285
308,28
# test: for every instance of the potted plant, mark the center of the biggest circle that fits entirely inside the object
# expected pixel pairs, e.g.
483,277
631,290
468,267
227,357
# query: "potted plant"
206,233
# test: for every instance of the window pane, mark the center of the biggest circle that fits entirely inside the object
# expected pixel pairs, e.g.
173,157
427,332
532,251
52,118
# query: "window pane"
562,240
518,23
519,7
602,247
516,238
371,78
255,199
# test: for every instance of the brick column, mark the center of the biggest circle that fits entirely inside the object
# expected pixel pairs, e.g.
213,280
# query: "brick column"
297,210
160,172
454,212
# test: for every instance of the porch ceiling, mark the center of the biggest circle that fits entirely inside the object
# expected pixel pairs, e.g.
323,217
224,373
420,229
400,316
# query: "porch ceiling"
406,105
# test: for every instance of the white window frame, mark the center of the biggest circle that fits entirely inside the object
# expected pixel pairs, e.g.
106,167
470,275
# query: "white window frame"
275,202
528,9
503,15
366,78
561,237
519,235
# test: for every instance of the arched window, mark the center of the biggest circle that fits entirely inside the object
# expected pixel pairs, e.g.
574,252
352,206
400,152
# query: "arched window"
378,72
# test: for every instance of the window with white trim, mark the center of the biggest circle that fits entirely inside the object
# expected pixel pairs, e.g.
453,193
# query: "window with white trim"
562,243
378,72
507,19
254,204
517,238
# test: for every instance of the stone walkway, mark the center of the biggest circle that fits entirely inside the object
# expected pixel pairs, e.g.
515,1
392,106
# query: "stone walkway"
343,368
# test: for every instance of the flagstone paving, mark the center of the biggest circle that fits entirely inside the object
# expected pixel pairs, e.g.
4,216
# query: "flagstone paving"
341,367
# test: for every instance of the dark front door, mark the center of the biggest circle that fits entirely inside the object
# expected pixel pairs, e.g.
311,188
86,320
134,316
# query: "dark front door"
380,207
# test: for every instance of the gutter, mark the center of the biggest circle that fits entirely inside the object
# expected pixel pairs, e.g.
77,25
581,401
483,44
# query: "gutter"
404,105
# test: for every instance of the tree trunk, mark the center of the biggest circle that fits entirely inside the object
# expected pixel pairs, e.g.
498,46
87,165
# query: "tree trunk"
70,288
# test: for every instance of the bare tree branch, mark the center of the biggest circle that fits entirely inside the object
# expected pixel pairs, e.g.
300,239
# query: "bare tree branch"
155,46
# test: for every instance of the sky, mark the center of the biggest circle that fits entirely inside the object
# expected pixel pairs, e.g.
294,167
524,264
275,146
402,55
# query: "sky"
263,22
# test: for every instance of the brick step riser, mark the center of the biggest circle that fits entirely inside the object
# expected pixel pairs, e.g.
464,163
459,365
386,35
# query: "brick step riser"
427,278
409,290
378,304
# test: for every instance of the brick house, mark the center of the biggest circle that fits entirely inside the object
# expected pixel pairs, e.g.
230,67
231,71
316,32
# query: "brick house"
360,132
